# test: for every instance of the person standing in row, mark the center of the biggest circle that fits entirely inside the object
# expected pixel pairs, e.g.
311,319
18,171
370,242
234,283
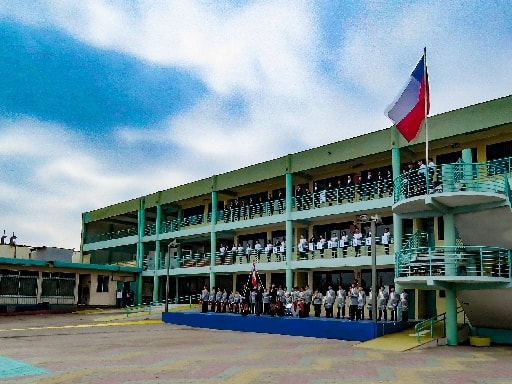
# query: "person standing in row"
330,297
308,297
341,294
394,298
361,302
382,299
404,302
211,299
317,302
353,296
205,296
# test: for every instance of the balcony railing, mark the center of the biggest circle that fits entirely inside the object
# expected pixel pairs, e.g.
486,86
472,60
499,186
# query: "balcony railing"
453,261
456,177
274,254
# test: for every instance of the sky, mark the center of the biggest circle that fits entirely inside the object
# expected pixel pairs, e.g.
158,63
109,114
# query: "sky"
105,101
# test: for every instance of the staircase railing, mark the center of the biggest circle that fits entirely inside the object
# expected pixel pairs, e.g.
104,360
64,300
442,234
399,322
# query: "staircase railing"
429,324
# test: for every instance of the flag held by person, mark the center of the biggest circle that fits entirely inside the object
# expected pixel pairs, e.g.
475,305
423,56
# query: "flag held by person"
412,106
254,279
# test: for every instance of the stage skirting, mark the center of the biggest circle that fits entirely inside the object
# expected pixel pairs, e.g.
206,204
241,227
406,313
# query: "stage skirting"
323,328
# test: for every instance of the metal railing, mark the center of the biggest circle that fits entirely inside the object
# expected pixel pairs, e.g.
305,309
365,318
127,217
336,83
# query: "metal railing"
456,177
430,324
452,261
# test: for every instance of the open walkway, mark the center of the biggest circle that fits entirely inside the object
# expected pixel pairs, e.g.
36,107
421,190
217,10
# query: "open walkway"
106,347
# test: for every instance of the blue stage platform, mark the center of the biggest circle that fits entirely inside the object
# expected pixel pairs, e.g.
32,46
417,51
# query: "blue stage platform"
323,328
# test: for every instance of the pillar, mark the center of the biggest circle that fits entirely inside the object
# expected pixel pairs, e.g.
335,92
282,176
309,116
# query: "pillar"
156,278
289,230
213,238
450,270
141,221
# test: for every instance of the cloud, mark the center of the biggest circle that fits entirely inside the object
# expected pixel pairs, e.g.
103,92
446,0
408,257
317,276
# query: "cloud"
270,90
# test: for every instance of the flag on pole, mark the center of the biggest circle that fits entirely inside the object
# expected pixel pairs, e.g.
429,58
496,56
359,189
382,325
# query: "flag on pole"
413,104
254,279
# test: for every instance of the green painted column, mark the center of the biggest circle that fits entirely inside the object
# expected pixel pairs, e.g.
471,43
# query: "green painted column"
141,223
450,270
213,238
156,279
289,229
451,316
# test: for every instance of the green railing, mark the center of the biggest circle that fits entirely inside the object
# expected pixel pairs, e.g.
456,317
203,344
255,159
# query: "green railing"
430,324
456,177
454,261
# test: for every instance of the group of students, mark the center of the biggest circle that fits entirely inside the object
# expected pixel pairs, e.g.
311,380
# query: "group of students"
257,300
355,240
278,301
356,299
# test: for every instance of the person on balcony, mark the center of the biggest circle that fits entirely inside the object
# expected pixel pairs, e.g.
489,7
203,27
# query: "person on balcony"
222,253
349,189
234,251
240,252
320,246
385,240
344,243
257,250
333,245
368,242
248,252
299,193
268,250
356,241
302,248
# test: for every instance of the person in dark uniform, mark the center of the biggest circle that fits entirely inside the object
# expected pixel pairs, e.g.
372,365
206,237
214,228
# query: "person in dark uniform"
205,295
273,299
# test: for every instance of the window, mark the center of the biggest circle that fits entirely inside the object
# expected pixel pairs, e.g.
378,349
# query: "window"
102,283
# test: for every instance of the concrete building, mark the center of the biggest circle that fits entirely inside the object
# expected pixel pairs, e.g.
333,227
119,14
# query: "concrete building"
449,225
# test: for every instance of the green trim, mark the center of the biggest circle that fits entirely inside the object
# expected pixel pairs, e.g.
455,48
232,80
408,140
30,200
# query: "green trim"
66,265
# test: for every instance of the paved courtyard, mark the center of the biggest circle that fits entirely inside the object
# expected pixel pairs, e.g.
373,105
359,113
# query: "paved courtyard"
106,347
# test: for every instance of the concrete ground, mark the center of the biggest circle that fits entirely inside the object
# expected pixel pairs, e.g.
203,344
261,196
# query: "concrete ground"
107,347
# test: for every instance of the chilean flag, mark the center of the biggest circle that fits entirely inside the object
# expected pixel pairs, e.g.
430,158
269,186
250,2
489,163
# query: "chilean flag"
254,279
412,107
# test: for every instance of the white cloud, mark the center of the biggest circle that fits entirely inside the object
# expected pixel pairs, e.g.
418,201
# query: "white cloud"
269,54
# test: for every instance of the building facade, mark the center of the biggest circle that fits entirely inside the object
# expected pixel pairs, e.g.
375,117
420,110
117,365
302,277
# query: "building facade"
446,221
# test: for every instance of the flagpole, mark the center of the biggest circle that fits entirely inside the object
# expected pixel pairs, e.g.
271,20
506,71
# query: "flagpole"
427,97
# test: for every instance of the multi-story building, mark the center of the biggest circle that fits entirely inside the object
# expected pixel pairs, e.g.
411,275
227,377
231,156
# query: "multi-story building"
448,221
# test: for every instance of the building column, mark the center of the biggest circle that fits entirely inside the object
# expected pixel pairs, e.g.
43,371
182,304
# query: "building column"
40,286
213,238
451,293
289,230
141,221
156,279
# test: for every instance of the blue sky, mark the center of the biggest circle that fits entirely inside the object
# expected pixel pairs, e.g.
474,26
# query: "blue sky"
104,101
